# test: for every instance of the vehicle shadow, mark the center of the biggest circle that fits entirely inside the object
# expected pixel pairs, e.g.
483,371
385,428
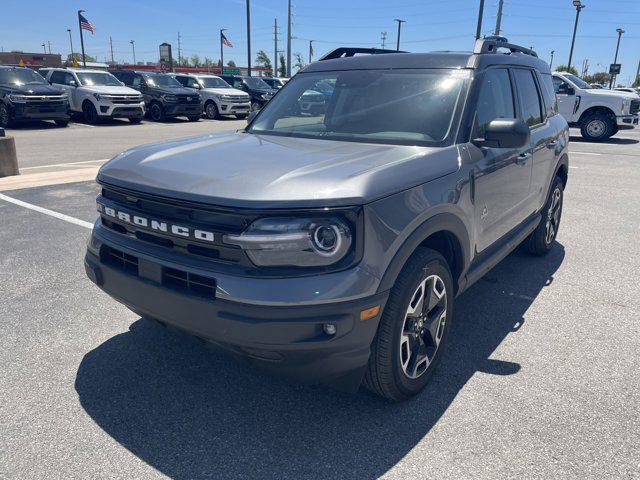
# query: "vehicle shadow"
33,125
610,141
192,413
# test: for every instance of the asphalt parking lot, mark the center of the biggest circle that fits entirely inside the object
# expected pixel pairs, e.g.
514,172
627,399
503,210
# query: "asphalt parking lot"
540,379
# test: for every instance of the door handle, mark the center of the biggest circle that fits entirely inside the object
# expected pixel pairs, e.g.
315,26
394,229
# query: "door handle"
552,143
522,158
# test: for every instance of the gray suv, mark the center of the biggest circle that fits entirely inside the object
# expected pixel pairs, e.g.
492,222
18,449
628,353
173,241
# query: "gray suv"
330,247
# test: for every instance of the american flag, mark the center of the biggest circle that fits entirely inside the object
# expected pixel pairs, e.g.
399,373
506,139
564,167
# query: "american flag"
225,40
86,24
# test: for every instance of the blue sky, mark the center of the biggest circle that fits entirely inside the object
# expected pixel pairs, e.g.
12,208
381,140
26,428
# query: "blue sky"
431,25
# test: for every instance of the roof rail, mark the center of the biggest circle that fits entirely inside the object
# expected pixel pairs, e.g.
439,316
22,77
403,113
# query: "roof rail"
493,43
342,52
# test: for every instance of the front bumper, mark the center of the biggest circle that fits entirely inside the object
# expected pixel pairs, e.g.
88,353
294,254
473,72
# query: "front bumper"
179,109
287,339
120,110
227,108
626,120
24,111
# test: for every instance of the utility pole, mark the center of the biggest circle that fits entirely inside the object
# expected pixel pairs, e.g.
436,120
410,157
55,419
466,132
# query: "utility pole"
383,35
289,39
311,50
275,47
579,6
49,45
70,43
400,22
615,60
585,67
480,15
180,51
84,60
248,39
133,47
499,18
222,51
111,48
637,75
551,62
44,48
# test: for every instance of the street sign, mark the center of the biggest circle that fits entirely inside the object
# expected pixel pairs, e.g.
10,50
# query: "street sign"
231,71
614,68
166,59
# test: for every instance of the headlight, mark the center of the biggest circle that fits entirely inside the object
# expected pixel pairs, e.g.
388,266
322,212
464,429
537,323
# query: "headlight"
169,98
297,242
64,96
18,98
226,98
102,97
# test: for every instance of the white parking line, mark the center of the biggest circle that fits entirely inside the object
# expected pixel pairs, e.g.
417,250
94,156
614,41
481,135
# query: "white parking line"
585,153
51,213
65,164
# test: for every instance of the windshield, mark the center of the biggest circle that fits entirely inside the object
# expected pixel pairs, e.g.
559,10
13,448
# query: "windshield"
404,107
97,79
257,83
20,77
578,82
213,82
161,81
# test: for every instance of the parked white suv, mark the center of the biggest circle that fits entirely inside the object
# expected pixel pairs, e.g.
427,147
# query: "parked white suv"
597,112
218,96
97,94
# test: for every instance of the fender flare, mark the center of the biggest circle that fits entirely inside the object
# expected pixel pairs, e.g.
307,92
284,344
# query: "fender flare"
439,222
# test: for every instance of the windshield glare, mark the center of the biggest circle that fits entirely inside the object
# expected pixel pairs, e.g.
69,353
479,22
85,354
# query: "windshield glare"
578,82
161,81
97,79
405,107
20,77
257,83
213,82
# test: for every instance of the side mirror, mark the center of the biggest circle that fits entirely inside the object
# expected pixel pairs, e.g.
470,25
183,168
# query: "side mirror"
566,90
505,133
197,86
73,83
252,115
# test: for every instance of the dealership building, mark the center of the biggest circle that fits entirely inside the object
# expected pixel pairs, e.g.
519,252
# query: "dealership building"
35,60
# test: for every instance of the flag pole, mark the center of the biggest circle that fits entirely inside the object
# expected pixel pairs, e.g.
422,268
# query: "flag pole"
84,62
221,52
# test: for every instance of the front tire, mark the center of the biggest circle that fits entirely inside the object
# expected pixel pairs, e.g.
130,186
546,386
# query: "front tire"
241,116
193,119
135,120
211,110
542,238
413,329
90,113
157,113
597,127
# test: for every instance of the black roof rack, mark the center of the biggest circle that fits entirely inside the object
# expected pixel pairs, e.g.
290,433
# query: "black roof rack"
492,44
342,52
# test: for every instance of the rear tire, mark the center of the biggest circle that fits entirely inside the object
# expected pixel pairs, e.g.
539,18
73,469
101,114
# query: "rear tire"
5,118
541,240
597,127
413,329
90,113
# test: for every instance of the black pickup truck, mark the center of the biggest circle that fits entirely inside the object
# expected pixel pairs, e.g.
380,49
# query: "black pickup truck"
26,95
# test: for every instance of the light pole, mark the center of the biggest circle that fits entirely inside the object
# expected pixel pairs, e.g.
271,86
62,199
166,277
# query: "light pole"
480,14
70,43
248,38
311,50
551,62
615,59
400,22
579,6
133,47
44,47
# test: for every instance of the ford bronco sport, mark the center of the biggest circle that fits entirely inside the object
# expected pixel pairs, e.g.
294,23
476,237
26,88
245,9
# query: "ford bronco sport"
331,248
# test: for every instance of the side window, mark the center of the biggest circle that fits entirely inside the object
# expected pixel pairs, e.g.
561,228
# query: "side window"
57,77
69,80
549,94
495,100
136,81
192,82
237,83
182,81
529,97
561,87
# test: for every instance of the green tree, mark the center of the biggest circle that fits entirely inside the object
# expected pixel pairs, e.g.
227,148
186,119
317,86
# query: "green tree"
262,60
299,62
282,67
219,63
231,64
195,60
637,82
207,62
563,68
184,61
598,77
78,57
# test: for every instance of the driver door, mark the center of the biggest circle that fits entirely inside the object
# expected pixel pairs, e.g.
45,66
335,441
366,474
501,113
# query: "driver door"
566,95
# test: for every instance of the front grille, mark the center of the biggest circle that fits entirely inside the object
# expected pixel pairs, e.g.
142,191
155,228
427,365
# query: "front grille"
236,98
124,99
185,99
635,107
189,282
120,260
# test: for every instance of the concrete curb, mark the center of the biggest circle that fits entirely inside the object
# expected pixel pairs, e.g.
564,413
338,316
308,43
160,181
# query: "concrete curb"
48,178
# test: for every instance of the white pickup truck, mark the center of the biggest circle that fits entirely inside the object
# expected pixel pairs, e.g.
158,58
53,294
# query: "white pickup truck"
597,112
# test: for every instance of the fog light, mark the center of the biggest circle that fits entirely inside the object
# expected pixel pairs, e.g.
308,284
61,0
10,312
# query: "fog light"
329,328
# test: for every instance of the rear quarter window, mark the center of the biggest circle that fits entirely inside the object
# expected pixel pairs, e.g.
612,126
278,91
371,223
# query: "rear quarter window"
548,94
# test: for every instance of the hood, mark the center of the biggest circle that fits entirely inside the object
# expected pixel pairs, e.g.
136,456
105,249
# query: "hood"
33,89
612,93
110,90
265,171
225,91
